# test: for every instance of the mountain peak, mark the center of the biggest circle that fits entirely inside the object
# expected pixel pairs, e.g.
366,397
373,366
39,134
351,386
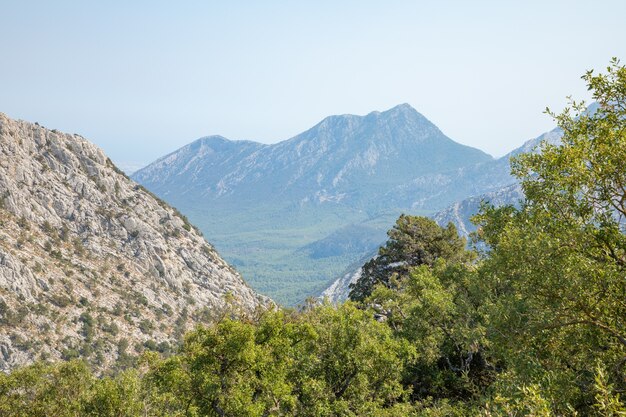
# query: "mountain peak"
213,142
219,141
405,112
402,108
402,114
212,139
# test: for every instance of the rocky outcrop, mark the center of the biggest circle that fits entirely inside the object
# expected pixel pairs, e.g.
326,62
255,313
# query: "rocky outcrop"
92,264
339,290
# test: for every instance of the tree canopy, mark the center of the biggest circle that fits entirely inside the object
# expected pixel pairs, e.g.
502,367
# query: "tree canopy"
556,270
413,241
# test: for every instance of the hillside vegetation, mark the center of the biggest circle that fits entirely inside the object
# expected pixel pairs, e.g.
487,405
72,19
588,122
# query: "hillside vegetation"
534,325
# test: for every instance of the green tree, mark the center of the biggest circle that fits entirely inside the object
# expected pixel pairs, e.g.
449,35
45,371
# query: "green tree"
42,390
557,266
351,366
413,241
231,369
437,310
326,361
119,396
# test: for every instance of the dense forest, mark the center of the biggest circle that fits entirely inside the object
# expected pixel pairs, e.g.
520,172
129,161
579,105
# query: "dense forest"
530,321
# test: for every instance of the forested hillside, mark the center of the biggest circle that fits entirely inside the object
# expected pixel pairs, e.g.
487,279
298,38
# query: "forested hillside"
534,325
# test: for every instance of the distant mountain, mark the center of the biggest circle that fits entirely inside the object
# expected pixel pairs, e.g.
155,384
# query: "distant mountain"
91,264
354,238
265,206
461,212
504,190
349,159
198,167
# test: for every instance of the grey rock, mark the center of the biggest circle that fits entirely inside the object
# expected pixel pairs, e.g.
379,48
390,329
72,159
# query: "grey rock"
78,236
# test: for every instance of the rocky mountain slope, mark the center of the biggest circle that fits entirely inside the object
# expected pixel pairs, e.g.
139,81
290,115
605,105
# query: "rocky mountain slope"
91,264
339,289
331,162
268,206
461,212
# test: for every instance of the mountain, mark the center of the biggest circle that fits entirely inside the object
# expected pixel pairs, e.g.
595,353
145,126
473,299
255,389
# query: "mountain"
266,205
354,238
197,167
92,264
495,175
330,162
461,212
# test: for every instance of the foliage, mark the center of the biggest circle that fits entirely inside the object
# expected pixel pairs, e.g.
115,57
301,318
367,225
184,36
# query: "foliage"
44,390
556,267
436,309
326,361
413,241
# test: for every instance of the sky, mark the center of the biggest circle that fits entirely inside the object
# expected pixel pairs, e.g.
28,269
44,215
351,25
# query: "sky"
143,78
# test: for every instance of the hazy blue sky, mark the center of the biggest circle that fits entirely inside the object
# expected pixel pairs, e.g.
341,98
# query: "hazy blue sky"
142,78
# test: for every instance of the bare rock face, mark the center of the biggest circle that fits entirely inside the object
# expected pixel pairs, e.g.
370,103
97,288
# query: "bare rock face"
92,264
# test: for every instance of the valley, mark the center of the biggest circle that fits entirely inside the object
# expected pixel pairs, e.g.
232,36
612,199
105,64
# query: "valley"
313,209
339,185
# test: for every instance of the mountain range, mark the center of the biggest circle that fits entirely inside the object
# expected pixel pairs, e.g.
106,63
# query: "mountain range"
293,215
332,162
